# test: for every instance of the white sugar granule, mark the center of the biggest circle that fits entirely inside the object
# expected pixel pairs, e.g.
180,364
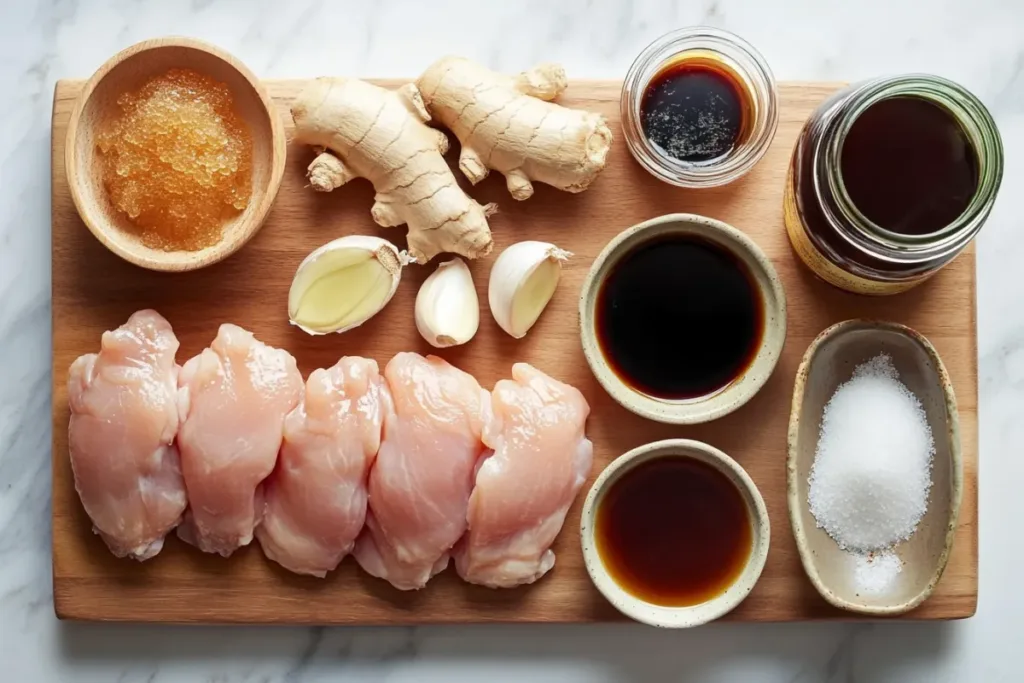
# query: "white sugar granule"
875,573
872,468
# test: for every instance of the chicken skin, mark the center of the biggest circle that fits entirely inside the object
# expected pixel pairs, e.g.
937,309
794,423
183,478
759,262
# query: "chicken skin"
540,459
232,399
121,436
316,497
420,483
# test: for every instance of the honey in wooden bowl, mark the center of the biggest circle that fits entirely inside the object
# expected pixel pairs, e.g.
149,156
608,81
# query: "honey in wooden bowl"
673,532
177,160
98,108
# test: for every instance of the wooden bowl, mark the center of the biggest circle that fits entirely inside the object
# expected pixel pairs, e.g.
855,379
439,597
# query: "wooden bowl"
828,362
693,615
129,70
740,390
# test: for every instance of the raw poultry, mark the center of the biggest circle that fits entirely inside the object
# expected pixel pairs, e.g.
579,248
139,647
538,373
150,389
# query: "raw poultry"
404,469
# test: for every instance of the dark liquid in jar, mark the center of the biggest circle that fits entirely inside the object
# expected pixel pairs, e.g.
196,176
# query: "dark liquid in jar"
673,531
679,317
695,110
908,166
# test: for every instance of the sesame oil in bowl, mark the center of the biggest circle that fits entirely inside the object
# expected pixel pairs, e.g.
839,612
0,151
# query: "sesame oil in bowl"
673,532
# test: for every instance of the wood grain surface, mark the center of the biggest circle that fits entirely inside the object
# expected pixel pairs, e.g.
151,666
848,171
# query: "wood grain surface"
94,290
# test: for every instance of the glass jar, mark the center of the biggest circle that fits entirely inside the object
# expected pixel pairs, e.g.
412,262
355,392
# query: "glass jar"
735,56
835,239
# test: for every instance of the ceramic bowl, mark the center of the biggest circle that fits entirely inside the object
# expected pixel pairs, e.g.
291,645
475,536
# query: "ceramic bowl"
828,362
128,70
676,617
740,390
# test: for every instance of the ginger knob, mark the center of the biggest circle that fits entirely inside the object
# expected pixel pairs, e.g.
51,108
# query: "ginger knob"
507,124
361,130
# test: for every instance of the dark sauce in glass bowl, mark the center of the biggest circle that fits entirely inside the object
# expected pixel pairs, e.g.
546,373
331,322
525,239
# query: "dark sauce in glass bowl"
696,110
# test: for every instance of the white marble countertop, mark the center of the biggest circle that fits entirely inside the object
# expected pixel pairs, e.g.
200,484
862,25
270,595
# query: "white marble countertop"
977,42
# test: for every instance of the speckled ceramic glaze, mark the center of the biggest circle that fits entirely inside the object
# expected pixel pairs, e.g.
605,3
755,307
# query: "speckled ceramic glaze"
676,617
740,390
828,362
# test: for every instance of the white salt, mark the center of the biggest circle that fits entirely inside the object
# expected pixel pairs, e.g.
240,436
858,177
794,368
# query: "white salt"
875,573
872,468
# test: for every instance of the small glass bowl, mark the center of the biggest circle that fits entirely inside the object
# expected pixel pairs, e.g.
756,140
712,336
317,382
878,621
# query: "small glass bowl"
736,55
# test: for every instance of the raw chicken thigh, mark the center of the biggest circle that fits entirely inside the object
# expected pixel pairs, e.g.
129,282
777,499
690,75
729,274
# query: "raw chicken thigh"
316,497
121,436
420,484
232,399
523,490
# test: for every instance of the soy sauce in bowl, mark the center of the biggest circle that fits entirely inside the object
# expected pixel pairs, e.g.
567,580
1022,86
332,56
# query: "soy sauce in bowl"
679,317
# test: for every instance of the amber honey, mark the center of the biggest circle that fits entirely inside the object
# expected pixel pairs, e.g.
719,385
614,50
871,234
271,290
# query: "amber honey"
177,160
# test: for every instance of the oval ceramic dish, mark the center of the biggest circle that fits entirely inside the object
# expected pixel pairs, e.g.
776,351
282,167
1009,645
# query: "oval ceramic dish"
128,70
828,362
737,392
677,617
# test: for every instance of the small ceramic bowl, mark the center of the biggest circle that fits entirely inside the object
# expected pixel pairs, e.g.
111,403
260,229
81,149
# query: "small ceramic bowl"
694,615
828,362
733,395
128,70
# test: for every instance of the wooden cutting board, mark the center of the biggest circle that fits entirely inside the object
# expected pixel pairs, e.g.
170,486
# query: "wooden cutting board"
93,291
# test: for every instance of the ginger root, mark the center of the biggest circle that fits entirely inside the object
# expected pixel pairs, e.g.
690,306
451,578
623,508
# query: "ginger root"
506,124
381,135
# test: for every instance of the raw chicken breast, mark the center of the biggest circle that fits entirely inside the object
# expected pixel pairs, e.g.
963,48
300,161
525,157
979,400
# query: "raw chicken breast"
232,399
121,436
420,484
316,497
523,490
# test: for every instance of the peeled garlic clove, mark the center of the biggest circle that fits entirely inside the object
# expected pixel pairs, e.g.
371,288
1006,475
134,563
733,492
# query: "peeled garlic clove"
522,282
447,309
344,283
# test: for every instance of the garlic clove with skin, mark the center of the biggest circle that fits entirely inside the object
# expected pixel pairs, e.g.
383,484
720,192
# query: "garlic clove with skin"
447,308
523,280
344,283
